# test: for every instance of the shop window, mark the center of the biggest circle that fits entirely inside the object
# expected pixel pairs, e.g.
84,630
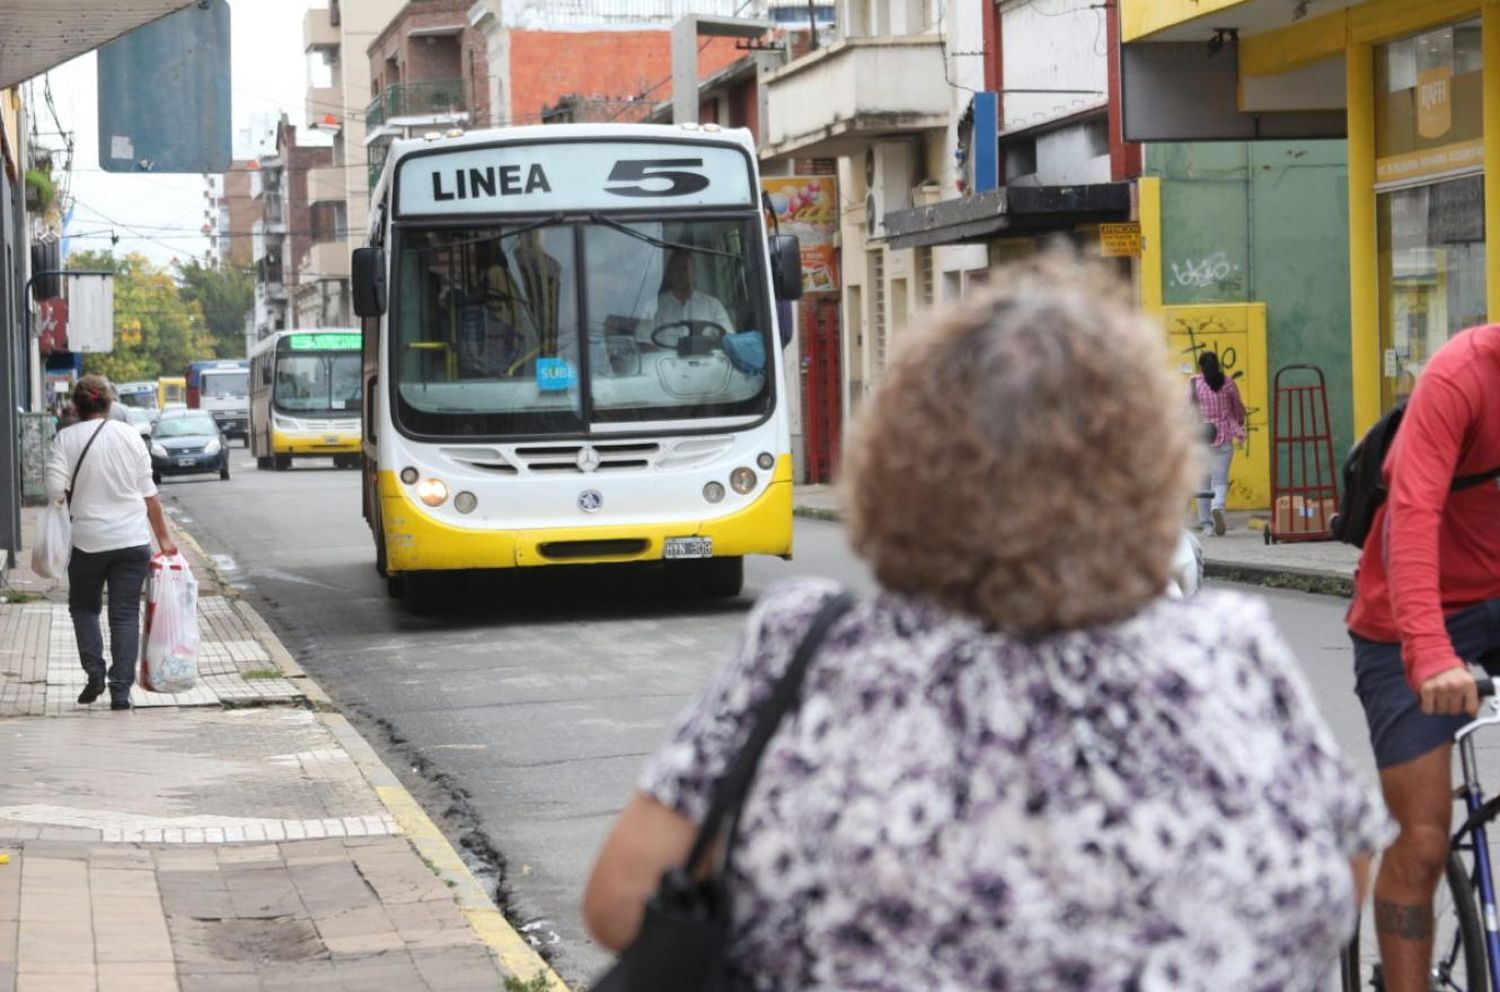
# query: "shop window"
1429,161
1432,274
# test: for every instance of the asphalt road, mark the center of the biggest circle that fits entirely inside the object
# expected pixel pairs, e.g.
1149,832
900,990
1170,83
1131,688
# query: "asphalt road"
522,715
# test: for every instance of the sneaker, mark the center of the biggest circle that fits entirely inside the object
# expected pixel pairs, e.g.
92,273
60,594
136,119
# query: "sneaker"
1206,530
1218,512
93,690
119,704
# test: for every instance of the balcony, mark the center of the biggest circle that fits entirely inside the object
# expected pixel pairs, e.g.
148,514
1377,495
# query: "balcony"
857,90
329,260
325,184
318,29
324,101
427,102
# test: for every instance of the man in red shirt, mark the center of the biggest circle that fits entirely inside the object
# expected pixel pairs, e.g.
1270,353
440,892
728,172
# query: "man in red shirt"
1427,598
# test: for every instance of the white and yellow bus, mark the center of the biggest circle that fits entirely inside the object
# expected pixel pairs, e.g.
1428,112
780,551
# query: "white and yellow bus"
579,359
305,393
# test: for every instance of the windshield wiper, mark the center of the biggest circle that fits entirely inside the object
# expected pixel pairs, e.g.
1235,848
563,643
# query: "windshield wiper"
491,238
659,242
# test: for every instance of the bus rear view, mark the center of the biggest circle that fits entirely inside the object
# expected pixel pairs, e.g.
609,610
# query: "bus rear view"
579,361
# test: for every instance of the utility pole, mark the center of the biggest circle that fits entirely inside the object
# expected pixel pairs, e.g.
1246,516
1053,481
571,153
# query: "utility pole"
812,25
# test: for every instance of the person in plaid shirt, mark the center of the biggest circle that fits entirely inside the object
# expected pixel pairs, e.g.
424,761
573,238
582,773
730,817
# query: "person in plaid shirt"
1218,402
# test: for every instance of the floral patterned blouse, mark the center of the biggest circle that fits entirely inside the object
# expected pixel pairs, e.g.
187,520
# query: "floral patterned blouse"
1151,805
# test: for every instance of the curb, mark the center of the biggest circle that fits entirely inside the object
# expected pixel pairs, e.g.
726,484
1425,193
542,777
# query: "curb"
816,513
488,923
515,955
1323,583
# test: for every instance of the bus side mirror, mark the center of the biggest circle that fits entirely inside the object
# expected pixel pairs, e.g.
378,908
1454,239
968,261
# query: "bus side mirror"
786,267
367,281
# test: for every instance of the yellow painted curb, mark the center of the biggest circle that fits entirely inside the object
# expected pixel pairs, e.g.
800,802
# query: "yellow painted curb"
487,922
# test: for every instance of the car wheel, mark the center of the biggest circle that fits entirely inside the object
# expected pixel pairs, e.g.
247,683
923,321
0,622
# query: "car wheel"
224,467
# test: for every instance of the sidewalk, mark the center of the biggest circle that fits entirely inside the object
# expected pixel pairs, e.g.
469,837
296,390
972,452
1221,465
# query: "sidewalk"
239,837
1241,555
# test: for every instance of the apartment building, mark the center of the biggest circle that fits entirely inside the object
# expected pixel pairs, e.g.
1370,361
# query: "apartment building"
283,234
335,38
428,72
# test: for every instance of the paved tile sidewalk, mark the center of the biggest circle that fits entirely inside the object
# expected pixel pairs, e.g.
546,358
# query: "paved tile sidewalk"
201,844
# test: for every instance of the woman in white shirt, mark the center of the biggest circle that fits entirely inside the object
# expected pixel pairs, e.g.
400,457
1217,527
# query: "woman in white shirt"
104,471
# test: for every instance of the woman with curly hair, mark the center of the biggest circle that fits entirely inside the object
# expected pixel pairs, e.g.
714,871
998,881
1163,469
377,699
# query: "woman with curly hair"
104,472
1017,765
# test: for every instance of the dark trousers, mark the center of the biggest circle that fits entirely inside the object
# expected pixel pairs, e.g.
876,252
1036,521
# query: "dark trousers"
124,571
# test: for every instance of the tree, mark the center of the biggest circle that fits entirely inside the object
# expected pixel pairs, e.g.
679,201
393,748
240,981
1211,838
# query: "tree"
226,297
157,332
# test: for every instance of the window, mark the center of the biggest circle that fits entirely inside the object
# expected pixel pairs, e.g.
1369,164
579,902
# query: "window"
328,222
876,272
500,333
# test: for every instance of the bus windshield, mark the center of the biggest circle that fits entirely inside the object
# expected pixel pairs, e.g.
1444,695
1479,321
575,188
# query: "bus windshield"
554,328
317,382
235,383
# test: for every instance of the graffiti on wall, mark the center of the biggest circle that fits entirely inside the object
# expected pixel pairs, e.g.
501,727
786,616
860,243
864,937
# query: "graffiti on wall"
1215,270
1236,332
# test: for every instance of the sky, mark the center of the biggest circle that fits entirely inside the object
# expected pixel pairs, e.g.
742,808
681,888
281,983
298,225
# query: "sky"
161,215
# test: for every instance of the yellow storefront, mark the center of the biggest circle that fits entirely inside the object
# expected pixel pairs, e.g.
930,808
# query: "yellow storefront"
1415,87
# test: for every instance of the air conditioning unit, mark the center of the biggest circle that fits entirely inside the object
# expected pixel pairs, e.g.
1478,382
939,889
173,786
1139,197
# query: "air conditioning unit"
890,173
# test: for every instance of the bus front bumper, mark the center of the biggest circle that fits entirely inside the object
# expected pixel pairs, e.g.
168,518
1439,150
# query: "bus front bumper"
314,444
415,542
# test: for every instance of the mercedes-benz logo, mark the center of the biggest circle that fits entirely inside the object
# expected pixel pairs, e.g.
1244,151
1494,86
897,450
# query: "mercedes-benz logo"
590,500
587,460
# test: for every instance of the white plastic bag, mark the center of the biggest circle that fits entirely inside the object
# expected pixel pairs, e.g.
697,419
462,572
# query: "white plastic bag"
169,658
54,542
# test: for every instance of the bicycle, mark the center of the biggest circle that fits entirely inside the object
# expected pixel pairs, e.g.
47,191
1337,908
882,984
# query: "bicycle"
1466,953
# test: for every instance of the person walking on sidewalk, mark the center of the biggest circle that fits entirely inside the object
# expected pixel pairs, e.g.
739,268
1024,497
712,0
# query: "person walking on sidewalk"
1217,399
1426,600
100,466
1017,765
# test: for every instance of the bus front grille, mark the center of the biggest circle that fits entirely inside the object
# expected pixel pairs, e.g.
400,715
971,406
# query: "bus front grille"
620,548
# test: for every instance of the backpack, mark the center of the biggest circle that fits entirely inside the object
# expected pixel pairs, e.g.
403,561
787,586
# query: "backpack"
1364,485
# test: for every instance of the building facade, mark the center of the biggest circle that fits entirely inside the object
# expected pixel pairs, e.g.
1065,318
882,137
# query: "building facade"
283,235
1415,90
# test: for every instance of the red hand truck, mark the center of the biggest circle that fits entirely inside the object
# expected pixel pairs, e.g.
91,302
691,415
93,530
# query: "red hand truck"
1304,476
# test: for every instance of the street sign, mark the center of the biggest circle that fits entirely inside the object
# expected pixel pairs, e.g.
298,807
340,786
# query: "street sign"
1120,240
164,94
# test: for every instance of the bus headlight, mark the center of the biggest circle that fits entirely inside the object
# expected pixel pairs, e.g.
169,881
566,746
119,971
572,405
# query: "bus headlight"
465,502
432,492
742,480
766,460
713,492
408,475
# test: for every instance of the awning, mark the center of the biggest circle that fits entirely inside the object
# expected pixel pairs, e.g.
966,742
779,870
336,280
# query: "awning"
36,35
1008,210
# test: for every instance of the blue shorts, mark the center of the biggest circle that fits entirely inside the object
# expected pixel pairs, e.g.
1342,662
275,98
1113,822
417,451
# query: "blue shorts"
1399,730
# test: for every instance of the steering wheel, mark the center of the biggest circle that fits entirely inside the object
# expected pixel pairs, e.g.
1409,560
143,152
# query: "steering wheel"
715,333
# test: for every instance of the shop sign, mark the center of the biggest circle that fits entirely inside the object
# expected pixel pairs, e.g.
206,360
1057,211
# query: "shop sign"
808,207
1430,161
1120,240
1435,102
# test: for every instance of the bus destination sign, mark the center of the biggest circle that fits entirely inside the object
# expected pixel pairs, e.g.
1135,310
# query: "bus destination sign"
603,175
324,341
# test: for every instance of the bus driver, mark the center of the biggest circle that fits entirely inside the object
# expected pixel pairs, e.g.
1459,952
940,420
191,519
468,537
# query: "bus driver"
678,301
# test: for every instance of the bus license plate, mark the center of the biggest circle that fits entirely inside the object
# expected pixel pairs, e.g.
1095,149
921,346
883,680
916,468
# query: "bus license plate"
688,547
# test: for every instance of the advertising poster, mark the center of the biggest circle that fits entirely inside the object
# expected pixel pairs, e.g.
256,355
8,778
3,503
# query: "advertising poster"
808,207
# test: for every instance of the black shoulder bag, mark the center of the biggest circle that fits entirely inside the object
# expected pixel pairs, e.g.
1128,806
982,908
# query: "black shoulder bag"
684,934
68,493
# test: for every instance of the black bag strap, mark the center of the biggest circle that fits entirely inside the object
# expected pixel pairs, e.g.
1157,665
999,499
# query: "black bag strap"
736,782
1477,479
68,493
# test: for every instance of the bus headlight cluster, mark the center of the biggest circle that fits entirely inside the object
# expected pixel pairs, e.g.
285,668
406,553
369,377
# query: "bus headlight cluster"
432,492
766,460
465,502
742,480
408,475
713,492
